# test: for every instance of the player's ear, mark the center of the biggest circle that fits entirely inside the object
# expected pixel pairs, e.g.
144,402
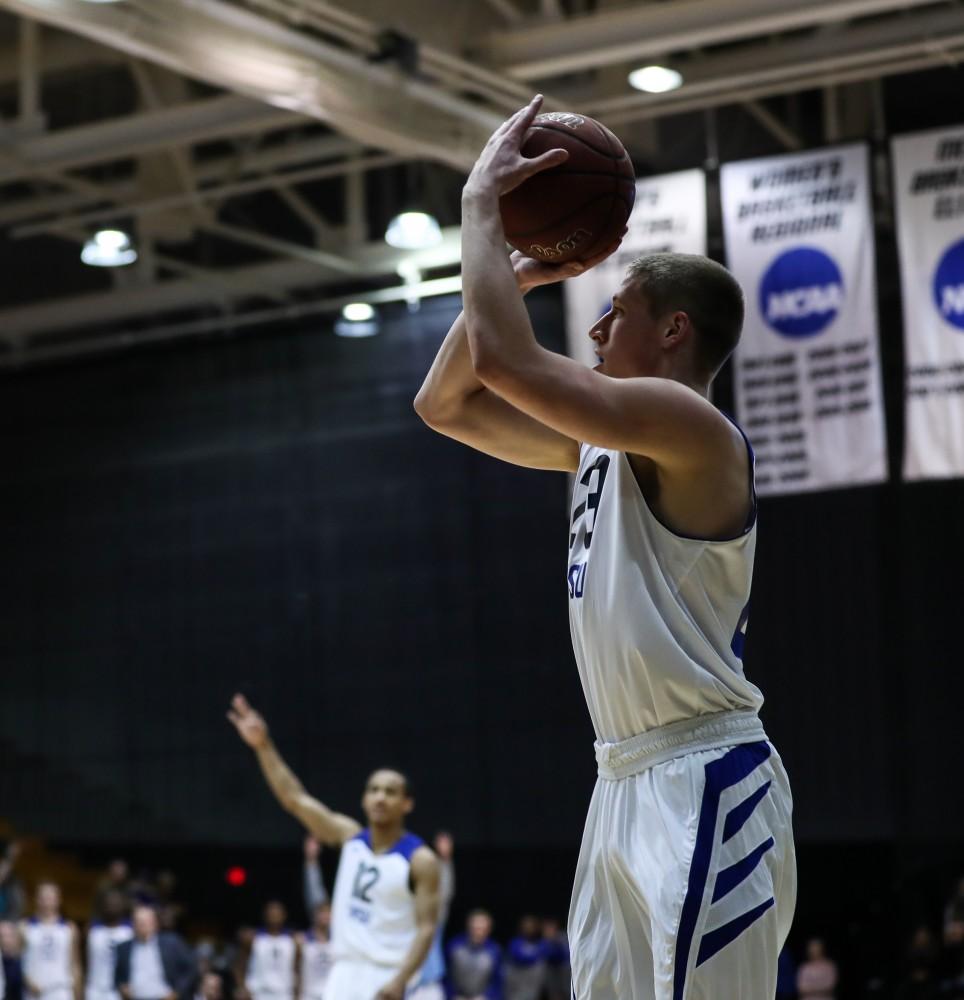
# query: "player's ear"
409,804
677,329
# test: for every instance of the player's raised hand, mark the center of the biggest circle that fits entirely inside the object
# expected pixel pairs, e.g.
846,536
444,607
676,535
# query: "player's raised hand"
501,165
530,272
249,724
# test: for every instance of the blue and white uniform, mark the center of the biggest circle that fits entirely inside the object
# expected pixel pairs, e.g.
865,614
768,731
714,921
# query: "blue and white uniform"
316,963
271,967
372,916
48,958
102,942
686,881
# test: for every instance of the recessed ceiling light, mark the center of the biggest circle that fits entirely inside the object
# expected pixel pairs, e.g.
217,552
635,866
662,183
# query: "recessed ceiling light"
358,312
655,79
109,248
413,231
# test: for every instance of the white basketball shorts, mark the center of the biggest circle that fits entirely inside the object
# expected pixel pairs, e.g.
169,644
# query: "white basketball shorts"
686,880
356,979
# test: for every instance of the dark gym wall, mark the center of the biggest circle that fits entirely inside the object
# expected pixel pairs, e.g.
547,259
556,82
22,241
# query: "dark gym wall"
268,514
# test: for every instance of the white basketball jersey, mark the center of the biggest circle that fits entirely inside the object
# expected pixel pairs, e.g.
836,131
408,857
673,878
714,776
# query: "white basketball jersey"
373,906
47,954
102,942
271,967
316,962
657,619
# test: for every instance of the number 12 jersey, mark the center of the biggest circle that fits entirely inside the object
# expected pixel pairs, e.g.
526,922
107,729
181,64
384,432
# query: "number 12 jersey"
373,905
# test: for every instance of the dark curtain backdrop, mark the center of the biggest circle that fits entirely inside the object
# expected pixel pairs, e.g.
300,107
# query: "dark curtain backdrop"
269,515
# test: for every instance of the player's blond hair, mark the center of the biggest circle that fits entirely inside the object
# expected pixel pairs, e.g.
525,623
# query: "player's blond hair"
704,290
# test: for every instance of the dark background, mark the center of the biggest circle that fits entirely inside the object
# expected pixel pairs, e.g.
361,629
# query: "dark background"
267,514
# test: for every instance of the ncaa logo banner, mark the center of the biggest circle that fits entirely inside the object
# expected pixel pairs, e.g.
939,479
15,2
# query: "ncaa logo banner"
929,195
669,216
800,240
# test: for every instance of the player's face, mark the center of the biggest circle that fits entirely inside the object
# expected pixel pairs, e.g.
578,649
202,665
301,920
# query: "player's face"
627,340
275,916
48,899
386,799
115,906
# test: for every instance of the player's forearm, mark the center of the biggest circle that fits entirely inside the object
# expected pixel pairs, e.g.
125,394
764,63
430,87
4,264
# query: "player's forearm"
499,331
281,779
418,952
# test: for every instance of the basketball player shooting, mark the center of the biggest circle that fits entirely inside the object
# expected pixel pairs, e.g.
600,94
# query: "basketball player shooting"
385,906
686,882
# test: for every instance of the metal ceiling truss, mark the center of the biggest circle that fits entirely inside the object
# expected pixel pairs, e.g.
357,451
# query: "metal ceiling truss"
391,97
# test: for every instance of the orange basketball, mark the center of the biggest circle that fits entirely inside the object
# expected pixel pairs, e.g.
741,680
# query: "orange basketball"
572,211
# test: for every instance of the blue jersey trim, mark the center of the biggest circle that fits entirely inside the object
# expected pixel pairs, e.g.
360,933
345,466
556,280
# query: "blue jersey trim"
406,845
717,940
722,773
728,879
739,814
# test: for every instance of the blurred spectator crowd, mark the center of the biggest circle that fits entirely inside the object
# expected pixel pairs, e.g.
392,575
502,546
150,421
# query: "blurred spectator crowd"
132,948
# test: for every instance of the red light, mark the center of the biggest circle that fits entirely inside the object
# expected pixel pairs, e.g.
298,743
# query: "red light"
236,876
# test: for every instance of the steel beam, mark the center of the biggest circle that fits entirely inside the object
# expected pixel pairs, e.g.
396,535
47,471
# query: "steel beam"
639,31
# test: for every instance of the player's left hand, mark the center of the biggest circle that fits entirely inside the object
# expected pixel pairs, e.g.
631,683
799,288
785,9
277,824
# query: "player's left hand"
501,165
391,991
530,273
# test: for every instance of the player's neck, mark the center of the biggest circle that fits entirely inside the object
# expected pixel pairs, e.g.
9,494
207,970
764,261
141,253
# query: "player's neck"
48,918
385,836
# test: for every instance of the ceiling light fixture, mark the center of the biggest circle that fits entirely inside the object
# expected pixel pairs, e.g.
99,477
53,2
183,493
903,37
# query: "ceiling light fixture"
109,248
358,319
655,79
413,231
358,312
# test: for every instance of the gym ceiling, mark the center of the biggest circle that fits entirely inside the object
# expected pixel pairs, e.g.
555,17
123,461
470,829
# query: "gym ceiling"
255,149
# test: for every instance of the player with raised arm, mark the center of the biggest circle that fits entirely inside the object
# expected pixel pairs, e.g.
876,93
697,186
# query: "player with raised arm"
385,903
686,882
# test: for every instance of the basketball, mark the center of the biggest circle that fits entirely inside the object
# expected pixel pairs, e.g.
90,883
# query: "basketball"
577,209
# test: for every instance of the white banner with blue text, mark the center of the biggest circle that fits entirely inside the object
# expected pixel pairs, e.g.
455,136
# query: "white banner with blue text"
929,200
669,217
800,240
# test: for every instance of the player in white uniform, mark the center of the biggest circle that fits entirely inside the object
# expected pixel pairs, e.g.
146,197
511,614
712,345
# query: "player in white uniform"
102,941
686,881
316,955
51,954
385,904
274,958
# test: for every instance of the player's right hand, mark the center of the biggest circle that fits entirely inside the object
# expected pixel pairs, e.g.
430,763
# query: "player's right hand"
530,273
249,724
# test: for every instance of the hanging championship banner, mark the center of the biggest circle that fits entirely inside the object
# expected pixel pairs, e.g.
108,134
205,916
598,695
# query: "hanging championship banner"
800,240
669,216
929,197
